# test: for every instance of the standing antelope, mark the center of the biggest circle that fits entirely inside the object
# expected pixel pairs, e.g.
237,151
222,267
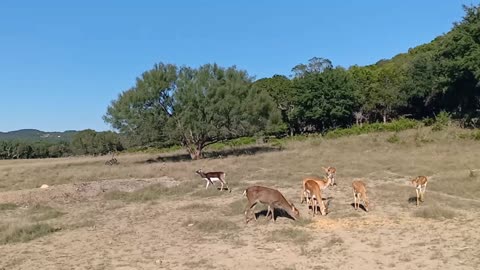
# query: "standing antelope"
331,171
322,183
271,197
359,193
313,188
420,183
211,177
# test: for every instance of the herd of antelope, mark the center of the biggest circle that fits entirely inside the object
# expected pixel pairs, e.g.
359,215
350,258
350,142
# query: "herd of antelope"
312,188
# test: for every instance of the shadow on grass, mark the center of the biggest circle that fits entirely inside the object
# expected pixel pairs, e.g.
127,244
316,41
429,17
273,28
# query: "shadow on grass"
215,154
359,206
278,213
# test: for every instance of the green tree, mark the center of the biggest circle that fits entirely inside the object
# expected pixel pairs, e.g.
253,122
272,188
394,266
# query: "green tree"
280,88
194,107
325,100
213,104
143,111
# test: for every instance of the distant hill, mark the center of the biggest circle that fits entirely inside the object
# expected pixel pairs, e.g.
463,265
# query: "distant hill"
37,135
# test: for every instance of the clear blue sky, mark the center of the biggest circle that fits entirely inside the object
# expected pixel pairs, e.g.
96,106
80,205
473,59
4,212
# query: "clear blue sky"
62,62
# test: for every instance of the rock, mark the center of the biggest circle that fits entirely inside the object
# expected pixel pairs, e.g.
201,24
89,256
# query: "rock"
44,186
190,225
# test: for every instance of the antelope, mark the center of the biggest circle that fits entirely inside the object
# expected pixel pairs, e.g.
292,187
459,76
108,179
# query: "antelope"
359,193
331,171
211,177
322,183
312,187
271,197
420,183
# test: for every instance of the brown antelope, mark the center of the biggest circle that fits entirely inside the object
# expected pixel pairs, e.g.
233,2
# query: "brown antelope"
312,187
331,171
211,177
271,197
360,193
420,183
322,183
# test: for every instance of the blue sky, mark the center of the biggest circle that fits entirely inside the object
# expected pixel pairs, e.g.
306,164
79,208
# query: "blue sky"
63,62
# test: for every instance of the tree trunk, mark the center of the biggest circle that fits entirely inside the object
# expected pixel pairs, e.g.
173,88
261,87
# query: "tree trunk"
195,153
384,118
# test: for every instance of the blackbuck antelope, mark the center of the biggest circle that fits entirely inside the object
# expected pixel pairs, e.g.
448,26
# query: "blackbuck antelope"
420,183
313,188
330,172
322,183
211,177
271,197
359,193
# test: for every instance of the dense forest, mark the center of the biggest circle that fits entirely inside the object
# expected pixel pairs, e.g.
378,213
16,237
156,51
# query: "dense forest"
195,107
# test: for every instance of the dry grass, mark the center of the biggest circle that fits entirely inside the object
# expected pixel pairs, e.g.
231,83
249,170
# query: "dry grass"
158,227
236,207
211,225
22,225
153,192
41,212
19,232
297,236
202,207
7,206
435,212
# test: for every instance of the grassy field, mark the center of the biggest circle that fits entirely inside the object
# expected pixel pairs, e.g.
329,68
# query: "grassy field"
151,211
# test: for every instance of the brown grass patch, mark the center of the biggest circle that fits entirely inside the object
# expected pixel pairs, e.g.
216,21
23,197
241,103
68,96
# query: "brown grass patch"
211,225
7,206
153,192
435,212
19,232
293,235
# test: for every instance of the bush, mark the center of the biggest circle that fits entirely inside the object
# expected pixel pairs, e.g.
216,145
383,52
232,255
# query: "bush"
442,120
394,126
393,139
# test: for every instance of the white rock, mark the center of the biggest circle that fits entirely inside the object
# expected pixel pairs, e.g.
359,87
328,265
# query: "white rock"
44,186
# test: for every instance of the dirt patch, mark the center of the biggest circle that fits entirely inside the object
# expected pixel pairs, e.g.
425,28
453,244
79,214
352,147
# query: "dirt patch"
80,191
355,223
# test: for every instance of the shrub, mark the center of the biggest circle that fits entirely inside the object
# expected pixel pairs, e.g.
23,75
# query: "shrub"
393,139
442,120
394,126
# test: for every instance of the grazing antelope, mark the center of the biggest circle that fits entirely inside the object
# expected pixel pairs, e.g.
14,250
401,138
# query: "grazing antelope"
312,187
322,183
211,177
420,183
331,171
271,197
359,193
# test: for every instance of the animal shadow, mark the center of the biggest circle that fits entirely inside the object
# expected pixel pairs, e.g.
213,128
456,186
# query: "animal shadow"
413,200
359,206
278,213
215,154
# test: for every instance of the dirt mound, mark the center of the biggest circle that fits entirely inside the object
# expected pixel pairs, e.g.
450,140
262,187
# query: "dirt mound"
79,191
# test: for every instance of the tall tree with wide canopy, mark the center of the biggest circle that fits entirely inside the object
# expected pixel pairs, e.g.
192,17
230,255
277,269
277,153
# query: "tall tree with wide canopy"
194,107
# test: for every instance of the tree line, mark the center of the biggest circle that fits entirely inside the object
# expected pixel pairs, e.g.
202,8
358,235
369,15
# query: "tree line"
86,142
